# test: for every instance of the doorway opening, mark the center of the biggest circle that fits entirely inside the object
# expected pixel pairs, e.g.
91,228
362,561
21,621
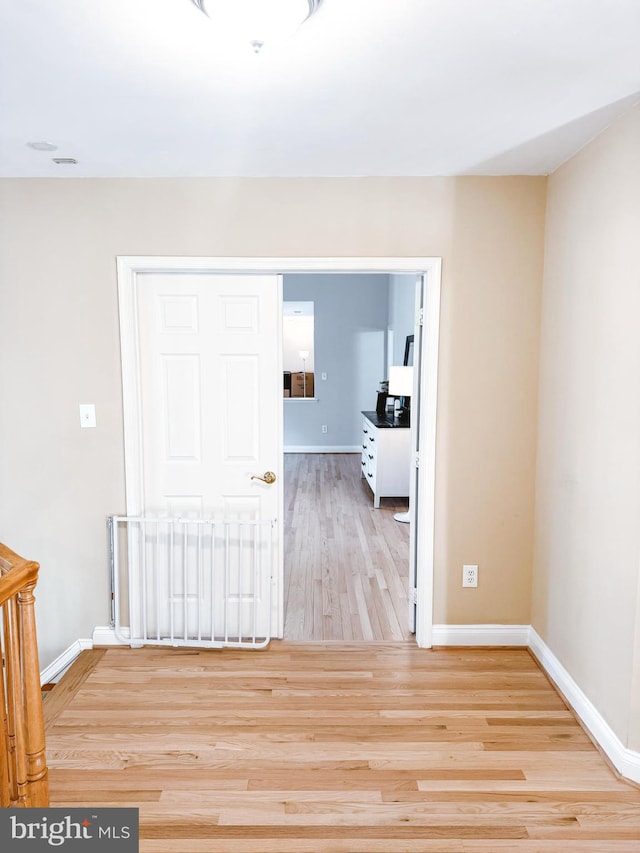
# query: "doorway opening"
132,274
346,560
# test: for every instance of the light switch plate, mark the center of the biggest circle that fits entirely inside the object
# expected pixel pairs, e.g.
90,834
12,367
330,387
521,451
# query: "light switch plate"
87,415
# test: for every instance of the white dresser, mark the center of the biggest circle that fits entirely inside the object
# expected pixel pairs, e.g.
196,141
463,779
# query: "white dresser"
386,454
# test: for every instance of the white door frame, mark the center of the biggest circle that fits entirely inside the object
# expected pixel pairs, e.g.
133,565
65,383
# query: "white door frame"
129,267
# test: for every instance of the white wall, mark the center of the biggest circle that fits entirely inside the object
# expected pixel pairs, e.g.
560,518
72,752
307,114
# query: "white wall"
587,543
350,314
298,336
402,300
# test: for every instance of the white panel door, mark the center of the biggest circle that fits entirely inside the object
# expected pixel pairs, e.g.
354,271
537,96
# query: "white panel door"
210,413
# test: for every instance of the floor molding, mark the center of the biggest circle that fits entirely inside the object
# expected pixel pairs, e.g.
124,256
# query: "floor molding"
480,635
321,448
56,668
626,761
105,635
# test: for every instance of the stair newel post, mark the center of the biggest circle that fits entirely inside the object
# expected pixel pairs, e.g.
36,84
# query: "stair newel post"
16,760
37,774
5,787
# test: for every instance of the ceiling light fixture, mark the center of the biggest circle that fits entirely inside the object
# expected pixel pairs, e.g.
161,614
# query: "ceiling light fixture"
259,22
42,146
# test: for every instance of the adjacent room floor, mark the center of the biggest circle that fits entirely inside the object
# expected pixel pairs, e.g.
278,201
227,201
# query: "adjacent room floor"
346,563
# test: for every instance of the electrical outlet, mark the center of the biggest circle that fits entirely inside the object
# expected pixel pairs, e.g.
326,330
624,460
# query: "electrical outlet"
324,427
469,576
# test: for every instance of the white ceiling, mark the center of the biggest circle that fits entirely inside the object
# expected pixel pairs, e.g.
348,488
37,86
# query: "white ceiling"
367,87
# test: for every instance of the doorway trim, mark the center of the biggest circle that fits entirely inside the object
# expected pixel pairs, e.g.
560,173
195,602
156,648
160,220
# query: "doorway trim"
129,267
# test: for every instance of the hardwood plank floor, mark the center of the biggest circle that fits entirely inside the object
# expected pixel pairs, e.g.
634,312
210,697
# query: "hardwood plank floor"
346,564
335,748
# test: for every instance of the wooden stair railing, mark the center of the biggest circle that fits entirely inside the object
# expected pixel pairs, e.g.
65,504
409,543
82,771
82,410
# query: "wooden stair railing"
23,763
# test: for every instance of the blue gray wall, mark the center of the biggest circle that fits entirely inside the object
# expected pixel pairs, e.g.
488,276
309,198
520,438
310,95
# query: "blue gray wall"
402,299
351,330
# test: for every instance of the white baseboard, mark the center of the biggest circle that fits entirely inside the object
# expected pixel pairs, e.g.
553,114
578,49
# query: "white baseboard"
323,449
626,761
480,635
57,667
104,635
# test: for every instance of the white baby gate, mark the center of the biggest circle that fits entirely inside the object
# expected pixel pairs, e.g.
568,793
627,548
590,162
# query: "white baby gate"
191,582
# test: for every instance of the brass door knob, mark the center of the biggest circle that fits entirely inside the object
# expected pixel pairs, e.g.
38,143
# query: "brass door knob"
268,477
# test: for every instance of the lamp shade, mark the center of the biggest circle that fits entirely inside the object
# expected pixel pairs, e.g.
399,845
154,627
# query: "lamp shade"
401,381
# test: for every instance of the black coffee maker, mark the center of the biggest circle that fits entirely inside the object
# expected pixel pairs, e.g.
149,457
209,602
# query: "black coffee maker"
381,404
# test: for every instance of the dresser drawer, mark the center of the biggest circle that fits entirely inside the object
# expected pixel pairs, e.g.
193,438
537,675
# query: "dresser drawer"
364,441
384,460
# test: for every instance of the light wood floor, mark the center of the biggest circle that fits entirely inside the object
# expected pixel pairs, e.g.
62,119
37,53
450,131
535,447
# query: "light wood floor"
346,563
334,748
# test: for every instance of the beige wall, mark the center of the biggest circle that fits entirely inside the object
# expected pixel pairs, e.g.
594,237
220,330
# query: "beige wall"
59,346
587,554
